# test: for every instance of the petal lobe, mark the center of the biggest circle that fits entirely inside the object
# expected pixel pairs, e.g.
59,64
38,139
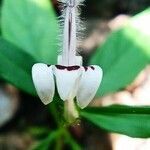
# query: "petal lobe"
67,79
88,85
43,80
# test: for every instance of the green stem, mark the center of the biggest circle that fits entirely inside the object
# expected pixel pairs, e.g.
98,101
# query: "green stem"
58,144
70,111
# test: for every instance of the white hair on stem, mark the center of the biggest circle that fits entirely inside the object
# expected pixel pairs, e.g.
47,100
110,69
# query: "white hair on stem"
71,27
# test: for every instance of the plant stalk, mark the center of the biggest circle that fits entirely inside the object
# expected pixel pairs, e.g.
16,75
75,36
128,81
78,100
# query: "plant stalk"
70,111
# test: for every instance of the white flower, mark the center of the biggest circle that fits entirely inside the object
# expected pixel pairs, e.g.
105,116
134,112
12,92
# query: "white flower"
72,79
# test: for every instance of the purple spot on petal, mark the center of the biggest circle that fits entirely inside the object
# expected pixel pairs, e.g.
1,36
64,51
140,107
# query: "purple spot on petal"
92,68
86,68
69,68
60,67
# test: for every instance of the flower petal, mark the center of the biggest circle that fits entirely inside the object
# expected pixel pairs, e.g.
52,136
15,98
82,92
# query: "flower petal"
88,85
43,79
67,79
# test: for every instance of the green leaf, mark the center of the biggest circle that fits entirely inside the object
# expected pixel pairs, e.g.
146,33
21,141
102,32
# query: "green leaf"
131,121
16,66
38,131
45,144
55,136
32,26
124,54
